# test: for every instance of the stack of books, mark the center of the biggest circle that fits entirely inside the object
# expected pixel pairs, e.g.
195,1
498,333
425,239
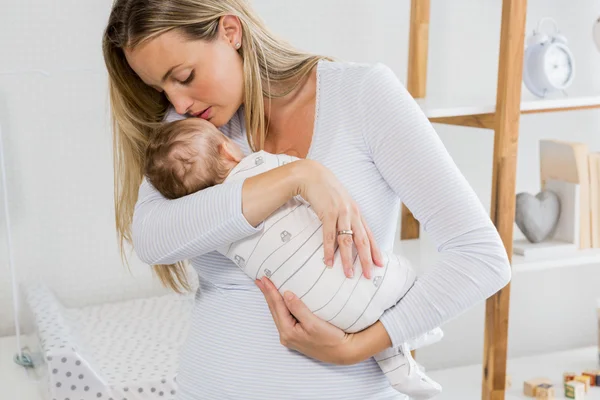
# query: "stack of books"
573,173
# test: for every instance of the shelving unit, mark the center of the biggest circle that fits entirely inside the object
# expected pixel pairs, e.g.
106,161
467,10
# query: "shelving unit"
502,116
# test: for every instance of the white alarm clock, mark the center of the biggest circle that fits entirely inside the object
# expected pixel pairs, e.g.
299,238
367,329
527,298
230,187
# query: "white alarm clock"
548,64
596,33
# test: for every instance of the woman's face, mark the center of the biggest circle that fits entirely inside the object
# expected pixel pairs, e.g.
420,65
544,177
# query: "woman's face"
200,78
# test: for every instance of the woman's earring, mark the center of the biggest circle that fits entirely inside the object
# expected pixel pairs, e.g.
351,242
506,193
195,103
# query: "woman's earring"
237,45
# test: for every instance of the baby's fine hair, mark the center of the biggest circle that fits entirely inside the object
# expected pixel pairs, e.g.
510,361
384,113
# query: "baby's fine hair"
182,157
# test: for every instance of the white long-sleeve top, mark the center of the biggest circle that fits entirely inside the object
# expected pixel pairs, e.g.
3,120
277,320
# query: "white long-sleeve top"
373,136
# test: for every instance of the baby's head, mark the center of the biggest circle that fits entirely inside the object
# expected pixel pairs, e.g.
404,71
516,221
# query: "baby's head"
188,155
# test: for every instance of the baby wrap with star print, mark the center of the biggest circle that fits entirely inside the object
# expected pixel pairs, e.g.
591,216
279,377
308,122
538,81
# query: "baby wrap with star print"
289,251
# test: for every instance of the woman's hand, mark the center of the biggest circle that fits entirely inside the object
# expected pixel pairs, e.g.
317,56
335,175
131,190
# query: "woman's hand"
301,330
338,212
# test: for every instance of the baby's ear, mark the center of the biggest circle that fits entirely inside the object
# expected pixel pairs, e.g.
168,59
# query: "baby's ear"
227,150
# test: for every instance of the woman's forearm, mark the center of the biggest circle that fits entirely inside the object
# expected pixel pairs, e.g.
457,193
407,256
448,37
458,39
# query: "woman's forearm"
368,342
264,193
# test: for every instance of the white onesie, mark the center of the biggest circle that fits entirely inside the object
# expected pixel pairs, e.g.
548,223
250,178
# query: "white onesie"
289,251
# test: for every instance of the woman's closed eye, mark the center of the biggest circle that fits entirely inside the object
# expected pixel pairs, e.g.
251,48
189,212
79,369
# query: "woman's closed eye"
189,79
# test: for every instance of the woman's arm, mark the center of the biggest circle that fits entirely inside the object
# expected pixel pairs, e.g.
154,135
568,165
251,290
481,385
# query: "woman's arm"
412,159
166,231
280,183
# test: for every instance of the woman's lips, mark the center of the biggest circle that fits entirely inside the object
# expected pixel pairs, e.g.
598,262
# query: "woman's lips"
205,114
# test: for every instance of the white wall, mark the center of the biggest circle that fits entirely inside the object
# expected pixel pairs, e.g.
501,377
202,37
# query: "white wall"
53,111
59,145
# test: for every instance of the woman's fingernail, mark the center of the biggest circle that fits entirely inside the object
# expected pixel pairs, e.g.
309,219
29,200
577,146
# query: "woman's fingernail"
350,274
289,296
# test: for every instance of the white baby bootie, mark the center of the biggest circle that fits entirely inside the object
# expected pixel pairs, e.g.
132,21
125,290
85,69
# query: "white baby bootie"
404,374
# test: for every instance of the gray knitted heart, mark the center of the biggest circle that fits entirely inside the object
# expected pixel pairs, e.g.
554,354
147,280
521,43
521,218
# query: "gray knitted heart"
537,216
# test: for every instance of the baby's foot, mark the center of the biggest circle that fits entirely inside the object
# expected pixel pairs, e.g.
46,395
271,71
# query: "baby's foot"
404,375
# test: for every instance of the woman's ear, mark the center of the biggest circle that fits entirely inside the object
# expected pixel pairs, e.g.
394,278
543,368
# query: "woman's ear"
231,29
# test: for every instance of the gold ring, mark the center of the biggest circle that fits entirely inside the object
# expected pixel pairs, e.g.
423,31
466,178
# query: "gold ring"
346,232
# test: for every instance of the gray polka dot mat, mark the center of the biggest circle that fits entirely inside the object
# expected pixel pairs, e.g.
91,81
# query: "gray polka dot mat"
116,351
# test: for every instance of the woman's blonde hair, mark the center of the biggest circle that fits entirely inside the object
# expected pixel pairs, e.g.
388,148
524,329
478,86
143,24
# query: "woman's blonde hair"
271,68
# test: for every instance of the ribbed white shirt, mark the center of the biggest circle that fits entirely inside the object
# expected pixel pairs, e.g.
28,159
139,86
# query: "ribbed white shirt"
373,136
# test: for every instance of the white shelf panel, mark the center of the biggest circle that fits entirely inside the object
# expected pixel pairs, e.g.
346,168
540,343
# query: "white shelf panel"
15,382
437,108
422,254
580,257
465,382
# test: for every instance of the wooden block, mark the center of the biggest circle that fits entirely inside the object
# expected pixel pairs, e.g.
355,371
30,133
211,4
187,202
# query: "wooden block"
569,376
592,375
544,391
595,376
530,386
575,390
585,379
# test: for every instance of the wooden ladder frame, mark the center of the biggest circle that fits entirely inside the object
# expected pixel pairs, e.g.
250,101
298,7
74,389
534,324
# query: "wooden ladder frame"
505,124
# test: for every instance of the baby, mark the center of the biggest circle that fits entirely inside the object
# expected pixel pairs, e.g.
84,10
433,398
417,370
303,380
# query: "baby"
192,154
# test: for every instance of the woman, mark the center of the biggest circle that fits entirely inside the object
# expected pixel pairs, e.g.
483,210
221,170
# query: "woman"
367,148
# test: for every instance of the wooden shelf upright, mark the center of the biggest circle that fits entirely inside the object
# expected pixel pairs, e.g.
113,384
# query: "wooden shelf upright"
504,121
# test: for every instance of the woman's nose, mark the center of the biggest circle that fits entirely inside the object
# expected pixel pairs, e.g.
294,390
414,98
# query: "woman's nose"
181,103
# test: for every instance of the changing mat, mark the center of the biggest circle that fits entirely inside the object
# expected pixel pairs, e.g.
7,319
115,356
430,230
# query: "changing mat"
124,350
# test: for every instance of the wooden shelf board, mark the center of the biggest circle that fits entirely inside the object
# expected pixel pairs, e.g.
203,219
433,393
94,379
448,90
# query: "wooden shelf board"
465,382
435,109
422,254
